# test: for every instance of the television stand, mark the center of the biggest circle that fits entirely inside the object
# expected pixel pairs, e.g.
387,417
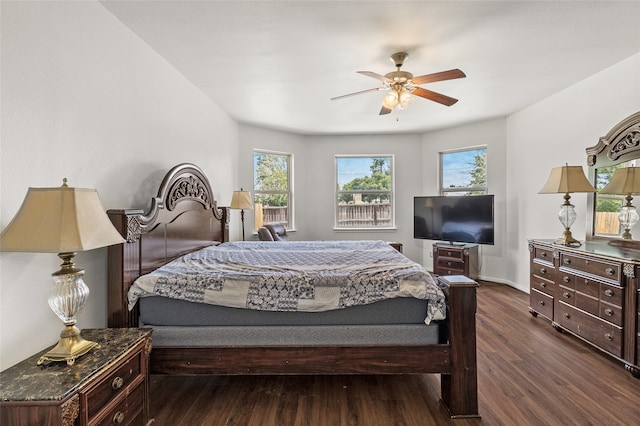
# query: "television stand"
456,259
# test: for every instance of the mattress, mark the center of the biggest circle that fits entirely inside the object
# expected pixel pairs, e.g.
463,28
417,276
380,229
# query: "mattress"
163,311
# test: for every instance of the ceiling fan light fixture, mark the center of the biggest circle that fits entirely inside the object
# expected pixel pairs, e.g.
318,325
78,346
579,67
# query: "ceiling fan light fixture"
405,99
390,100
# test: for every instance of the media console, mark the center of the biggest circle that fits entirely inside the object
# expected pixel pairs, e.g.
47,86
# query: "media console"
456,259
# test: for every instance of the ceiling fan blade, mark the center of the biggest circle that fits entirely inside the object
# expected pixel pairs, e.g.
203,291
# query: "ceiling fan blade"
377,89
375,75
434,96
438,76
384,110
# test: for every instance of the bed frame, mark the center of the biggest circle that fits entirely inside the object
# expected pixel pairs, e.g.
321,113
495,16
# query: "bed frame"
184,217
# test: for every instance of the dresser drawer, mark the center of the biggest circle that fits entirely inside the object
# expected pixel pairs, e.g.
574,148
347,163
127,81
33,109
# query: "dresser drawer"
611,294
542,253
601,333
567,280
541,303
114,383
128,411
543,270
601,268
587,303
611,313
587,286
566,295
457,254
542,285
453,270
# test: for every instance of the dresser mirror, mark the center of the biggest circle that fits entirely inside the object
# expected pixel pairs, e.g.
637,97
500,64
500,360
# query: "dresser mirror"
620,147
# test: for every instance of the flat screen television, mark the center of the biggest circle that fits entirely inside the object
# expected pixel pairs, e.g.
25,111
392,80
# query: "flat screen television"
455,219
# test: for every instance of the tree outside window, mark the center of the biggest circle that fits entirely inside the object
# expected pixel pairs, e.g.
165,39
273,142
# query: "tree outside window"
464,172
364,192
272,187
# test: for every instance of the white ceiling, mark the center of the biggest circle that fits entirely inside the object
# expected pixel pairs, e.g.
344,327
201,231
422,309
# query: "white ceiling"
276,64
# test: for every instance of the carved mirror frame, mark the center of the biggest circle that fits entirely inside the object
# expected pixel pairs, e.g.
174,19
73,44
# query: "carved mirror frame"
619,147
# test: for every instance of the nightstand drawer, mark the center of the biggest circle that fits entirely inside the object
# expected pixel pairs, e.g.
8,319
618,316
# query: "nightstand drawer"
114,383
128,412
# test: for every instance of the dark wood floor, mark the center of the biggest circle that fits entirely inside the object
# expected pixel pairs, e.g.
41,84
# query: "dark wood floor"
529,374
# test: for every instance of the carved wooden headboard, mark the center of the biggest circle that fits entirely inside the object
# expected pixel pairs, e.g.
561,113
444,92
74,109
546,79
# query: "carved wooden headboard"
183,217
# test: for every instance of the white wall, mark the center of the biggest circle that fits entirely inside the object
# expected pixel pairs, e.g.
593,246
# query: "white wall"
85,98
549,134
491,134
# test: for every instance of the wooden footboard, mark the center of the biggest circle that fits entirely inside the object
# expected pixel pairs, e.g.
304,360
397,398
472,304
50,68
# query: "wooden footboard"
184,217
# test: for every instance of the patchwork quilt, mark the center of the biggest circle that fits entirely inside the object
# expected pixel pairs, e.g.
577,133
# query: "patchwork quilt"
307,276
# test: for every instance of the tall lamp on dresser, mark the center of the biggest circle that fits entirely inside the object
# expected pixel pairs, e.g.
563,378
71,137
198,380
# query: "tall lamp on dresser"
565,180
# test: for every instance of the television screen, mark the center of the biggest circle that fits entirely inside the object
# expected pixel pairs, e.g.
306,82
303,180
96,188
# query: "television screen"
461,219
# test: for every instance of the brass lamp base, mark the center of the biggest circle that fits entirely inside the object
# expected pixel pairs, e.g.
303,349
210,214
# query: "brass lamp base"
70,347
567,239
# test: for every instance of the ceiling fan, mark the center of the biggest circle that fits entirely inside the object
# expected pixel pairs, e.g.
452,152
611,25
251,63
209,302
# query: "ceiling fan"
402,86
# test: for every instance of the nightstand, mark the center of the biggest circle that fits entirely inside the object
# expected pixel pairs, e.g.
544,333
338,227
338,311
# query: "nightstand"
109,385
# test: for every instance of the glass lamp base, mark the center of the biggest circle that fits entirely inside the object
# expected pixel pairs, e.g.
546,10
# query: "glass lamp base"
70,347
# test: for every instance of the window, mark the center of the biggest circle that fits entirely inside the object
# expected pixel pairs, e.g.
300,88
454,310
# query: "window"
463,172
272,188
607,206
364,192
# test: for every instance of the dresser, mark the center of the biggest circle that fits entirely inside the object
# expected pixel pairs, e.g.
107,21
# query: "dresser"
590,291
107,386
456,259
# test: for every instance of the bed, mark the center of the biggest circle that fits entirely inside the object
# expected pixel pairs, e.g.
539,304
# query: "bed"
398,323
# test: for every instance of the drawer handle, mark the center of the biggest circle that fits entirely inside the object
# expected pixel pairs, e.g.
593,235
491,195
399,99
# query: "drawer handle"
543,271
608,336
567,261
542,303
609,312
566,295
117,383
608,292
118,418
609,271
543,285
566,315
566,279
543,254
449,263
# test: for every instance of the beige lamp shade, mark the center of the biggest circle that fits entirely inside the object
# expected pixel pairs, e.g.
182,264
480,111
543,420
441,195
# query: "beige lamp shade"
567,179
59,220
241,200
625,180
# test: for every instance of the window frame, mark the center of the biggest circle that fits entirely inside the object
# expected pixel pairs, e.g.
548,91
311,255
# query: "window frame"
467,190
391,192
290,224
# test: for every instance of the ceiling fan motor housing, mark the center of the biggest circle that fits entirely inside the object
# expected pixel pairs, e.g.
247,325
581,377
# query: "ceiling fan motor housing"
398,58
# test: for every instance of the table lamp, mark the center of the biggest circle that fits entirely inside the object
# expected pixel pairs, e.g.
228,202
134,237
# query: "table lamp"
241,200
62,220
565,180
625,181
